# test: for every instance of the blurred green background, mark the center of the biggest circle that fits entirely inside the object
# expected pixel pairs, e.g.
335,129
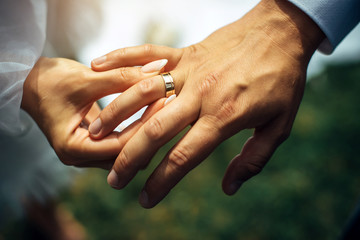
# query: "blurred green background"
306,191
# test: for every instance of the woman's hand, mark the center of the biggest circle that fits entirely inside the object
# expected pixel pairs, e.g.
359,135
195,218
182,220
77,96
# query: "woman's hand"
249,74
60,96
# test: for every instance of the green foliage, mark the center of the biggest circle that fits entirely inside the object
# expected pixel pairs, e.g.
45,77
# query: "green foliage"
306,191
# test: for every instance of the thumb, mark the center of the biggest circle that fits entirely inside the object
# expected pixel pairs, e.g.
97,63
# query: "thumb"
255,154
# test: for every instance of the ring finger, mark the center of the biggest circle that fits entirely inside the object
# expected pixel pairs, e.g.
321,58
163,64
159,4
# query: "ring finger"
129,102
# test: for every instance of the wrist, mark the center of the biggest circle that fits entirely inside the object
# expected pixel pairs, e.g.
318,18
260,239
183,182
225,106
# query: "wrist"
279,21
289,27
28,93
30,101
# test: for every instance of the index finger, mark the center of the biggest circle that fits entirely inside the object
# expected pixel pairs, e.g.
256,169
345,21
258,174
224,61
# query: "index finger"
136,56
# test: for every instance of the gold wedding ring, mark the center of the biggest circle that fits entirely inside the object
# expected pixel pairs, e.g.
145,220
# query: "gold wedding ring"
169,84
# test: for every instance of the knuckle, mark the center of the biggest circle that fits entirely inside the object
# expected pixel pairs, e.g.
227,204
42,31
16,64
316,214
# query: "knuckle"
222,116
178,159
148,49
123,73
193,49
208,83
120,53
227,111
154,129
123,162
110,112
147,87
253,167
212,123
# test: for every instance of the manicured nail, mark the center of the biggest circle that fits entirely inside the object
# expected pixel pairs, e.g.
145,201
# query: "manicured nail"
235,186
95,127
169,99
99,60
154,66
120,127
113,179
144,198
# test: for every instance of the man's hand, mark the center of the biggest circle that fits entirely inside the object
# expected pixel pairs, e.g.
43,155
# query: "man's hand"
249,74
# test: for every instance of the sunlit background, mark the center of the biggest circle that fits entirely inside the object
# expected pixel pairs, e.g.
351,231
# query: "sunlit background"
307,190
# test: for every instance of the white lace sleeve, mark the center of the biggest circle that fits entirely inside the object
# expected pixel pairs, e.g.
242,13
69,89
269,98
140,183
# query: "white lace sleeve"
22,37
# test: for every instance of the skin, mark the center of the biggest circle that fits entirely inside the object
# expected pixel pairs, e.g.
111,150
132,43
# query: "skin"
249,74
60,94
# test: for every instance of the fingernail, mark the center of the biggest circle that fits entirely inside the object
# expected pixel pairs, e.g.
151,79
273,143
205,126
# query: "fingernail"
113,179
144,198
99,60
169,99
154,66
95,127
235,186
120,127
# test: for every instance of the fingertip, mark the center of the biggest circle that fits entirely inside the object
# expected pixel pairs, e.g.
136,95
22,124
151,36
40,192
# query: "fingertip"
144,199
154,66
169,99
95,128
113,179
231,188
97,63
